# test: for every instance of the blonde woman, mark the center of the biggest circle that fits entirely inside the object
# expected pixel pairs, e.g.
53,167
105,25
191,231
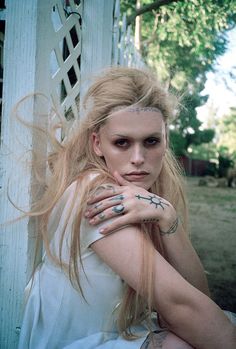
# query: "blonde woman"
119,270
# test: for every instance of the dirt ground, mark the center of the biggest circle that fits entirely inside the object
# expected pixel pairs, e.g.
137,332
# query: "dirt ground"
213,234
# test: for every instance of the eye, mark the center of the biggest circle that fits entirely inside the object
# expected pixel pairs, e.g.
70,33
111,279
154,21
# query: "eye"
122,143
151,141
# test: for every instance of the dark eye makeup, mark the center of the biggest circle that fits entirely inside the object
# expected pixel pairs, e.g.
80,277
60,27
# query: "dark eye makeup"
148,142
151,141
122,142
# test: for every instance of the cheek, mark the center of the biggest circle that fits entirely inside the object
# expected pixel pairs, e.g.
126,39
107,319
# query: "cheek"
114,160
156,160
157,155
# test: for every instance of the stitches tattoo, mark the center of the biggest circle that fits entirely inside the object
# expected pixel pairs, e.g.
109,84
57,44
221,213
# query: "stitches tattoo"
172,229
154,200
136,109
149,220
143,109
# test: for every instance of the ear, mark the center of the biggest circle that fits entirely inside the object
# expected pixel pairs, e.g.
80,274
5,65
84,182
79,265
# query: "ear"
96,144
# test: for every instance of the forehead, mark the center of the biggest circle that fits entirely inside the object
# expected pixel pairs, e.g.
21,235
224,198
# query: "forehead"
134,122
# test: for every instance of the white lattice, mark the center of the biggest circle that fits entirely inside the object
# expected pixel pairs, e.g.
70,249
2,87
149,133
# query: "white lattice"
65,55
65,52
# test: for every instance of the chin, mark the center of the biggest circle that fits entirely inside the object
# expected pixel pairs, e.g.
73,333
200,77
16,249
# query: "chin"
145,186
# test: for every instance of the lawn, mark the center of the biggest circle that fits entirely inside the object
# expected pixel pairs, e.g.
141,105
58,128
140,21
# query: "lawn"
213,234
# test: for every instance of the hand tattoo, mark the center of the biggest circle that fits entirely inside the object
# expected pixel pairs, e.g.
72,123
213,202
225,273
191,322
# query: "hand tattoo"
117,197
154,200
150,220
155,340
172,229
101,216
118,209
98,205
104,187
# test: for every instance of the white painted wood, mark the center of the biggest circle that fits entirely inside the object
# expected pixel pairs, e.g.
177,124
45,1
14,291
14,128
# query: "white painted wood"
97,29
56,42
24,72
116,34
124,51
2,15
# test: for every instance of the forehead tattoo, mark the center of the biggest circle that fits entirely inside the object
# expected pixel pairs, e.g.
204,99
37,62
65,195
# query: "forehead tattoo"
143,109
137,109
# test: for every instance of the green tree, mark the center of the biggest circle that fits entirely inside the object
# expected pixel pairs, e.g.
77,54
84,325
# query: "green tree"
204,151
181,40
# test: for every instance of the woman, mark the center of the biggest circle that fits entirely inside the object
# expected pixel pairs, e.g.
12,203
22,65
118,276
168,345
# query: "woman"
119,270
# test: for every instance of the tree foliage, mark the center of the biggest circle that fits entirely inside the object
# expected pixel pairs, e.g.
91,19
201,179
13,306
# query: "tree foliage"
181,41
183,38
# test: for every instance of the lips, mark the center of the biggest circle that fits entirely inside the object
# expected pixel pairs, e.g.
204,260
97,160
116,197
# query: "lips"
136,175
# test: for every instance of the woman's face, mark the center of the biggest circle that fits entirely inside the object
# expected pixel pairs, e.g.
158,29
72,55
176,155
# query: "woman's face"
133,143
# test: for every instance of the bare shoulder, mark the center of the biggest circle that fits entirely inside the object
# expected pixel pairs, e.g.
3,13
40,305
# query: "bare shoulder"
96,180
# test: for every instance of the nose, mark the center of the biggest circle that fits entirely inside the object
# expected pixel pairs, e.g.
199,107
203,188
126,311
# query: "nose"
137,155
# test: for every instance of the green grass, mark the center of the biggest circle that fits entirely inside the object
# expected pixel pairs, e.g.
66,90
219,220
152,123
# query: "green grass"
213,234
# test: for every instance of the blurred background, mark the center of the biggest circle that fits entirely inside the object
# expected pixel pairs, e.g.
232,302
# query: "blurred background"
192,46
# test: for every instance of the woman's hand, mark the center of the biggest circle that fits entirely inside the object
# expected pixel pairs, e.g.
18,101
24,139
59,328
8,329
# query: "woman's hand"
129,204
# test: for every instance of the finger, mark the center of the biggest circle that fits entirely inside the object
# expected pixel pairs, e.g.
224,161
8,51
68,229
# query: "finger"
117,224
100,206
103,192
107,214
120,180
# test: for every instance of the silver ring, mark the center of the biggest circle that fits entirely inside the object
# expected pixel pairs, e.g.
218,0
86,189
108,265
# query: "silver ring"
118,209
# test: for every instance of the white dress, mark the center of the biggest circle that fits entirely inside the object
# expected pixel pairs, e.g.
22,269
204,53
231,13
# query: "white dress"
56,315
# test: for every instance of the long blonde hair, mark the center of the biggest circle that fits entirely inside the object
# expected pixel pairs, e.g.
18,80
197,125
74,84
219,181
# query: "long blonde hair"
72,159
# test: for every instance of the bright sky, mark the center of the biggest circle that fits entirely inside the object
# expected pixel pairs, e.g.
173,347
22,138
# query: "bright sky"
220,96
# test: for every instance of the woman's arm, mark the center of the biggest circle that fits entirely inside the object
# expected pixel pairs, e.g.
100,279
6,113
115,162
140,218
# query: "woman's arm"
182,256
138,208
189,313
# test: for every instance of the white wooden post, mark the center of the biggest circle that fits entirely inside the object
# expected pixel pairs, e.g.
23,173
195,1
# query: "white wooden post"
24,72
97,29
124,51
116,33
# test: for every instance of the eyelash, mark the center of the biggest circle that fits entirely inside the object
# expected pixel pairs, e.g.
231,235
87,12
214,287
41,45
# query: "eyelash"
119,141
154,141
149,142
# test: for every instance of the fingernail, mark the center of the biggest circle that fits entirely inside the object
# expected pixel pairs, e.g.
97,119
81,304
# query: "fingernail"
102,230
86,214
91,221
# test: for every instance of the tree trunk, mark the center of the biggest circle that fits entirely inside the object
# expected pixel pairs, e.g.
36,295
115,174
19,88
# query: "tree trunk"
137,35
147,8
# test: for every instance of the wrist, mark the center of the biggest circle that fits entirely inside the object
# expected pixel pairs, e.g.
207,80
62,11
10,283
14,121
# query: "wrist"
170,228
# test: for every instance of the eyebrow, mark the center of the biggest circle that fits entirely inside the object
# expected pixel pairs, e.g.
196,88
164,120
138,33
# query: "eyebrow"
156,134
